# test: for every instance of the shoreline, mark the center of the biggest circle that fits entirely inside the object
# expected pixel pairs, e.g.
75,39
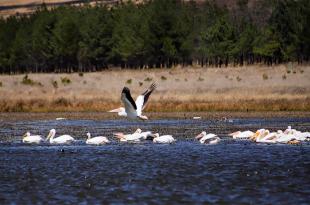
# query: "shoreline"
215,115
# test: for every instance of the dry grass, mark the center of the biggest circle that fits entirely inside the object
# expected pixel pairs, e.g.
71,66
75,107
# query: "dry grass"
65,105
220,90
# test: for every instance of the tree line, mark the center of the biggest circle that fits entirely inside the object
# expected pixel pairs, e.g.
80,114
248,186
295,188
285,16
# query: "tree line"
158,33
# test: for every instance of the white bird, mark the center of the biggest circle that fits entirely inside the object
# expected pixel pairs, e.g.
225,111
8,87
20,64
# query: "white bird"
96,140
265,136
28,138
285,138
135,137
133,110
164,139
242,135
205,138
58,140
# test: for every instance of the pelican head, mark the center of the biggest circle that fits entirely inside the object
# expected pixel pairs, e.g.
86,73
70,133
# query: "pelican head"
155,135
201,135
234,133
27,134
88,135
260,134
138,131
51,134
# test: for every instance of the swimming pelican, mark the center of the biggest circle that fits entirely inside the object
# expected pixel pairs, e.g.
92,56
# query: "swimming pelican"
28,138
265,136
242,135
135,137
133,110
205,138
163,139
259,134
96,140
285,138
301,136
58,140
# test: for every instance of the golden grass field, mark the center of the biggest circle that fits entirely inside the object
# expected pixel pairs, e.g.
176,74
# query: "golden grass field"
253,88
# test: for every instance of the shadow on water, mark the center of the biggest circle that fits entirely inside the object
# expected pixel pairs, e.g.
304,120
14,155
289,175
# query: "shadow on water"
231,172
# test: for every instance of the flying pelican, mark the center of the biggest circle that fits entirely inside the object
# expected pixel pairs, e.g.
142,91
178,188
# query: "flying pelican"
28,138
58,140
163,139
135,137
242,135
96,140
133,110
205,138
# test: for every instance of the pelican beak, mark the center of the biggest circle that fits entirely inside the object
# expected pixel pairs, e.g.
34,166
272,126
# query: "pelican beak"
143,117
255,136
199,136
115,110
48,136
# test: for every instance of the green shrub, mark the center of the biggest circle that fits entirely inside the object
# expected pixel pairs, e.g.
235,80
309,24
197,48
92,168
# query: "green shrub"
301,71
140,84
163,78
27,81
129,81
238,79
81,74
294,71
288,71
200,79
284,77
265,76
148,79
1,84
65,81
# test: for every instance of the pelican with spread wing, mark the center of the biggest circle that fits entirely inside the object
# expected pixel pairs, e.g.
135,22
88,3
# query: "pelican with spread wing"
133,109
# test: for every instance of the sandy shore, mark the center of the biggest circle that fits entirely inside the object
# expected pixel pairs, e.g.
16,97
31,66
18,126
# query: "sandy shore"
279,88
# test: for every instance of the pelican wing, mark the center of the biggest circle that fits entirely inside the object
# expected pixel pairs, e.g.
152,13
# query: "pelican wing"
129,103
143,98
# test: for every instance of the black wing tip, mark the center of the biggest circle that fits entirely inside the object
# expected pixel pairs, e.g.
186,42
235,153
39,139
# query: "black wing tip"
125,90
153,86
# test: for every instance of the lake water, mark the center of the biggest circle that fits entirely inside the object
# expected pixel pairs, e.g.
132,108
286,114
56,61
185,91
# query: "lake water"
186,172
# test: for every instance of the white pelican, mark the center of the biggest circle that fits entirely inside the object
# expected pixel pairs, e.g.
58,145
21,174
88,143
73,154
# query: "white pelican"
28,138
285,138
205,138
96,140
163,139
58,140
242,135
264,136
133,110
135,137
301,136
